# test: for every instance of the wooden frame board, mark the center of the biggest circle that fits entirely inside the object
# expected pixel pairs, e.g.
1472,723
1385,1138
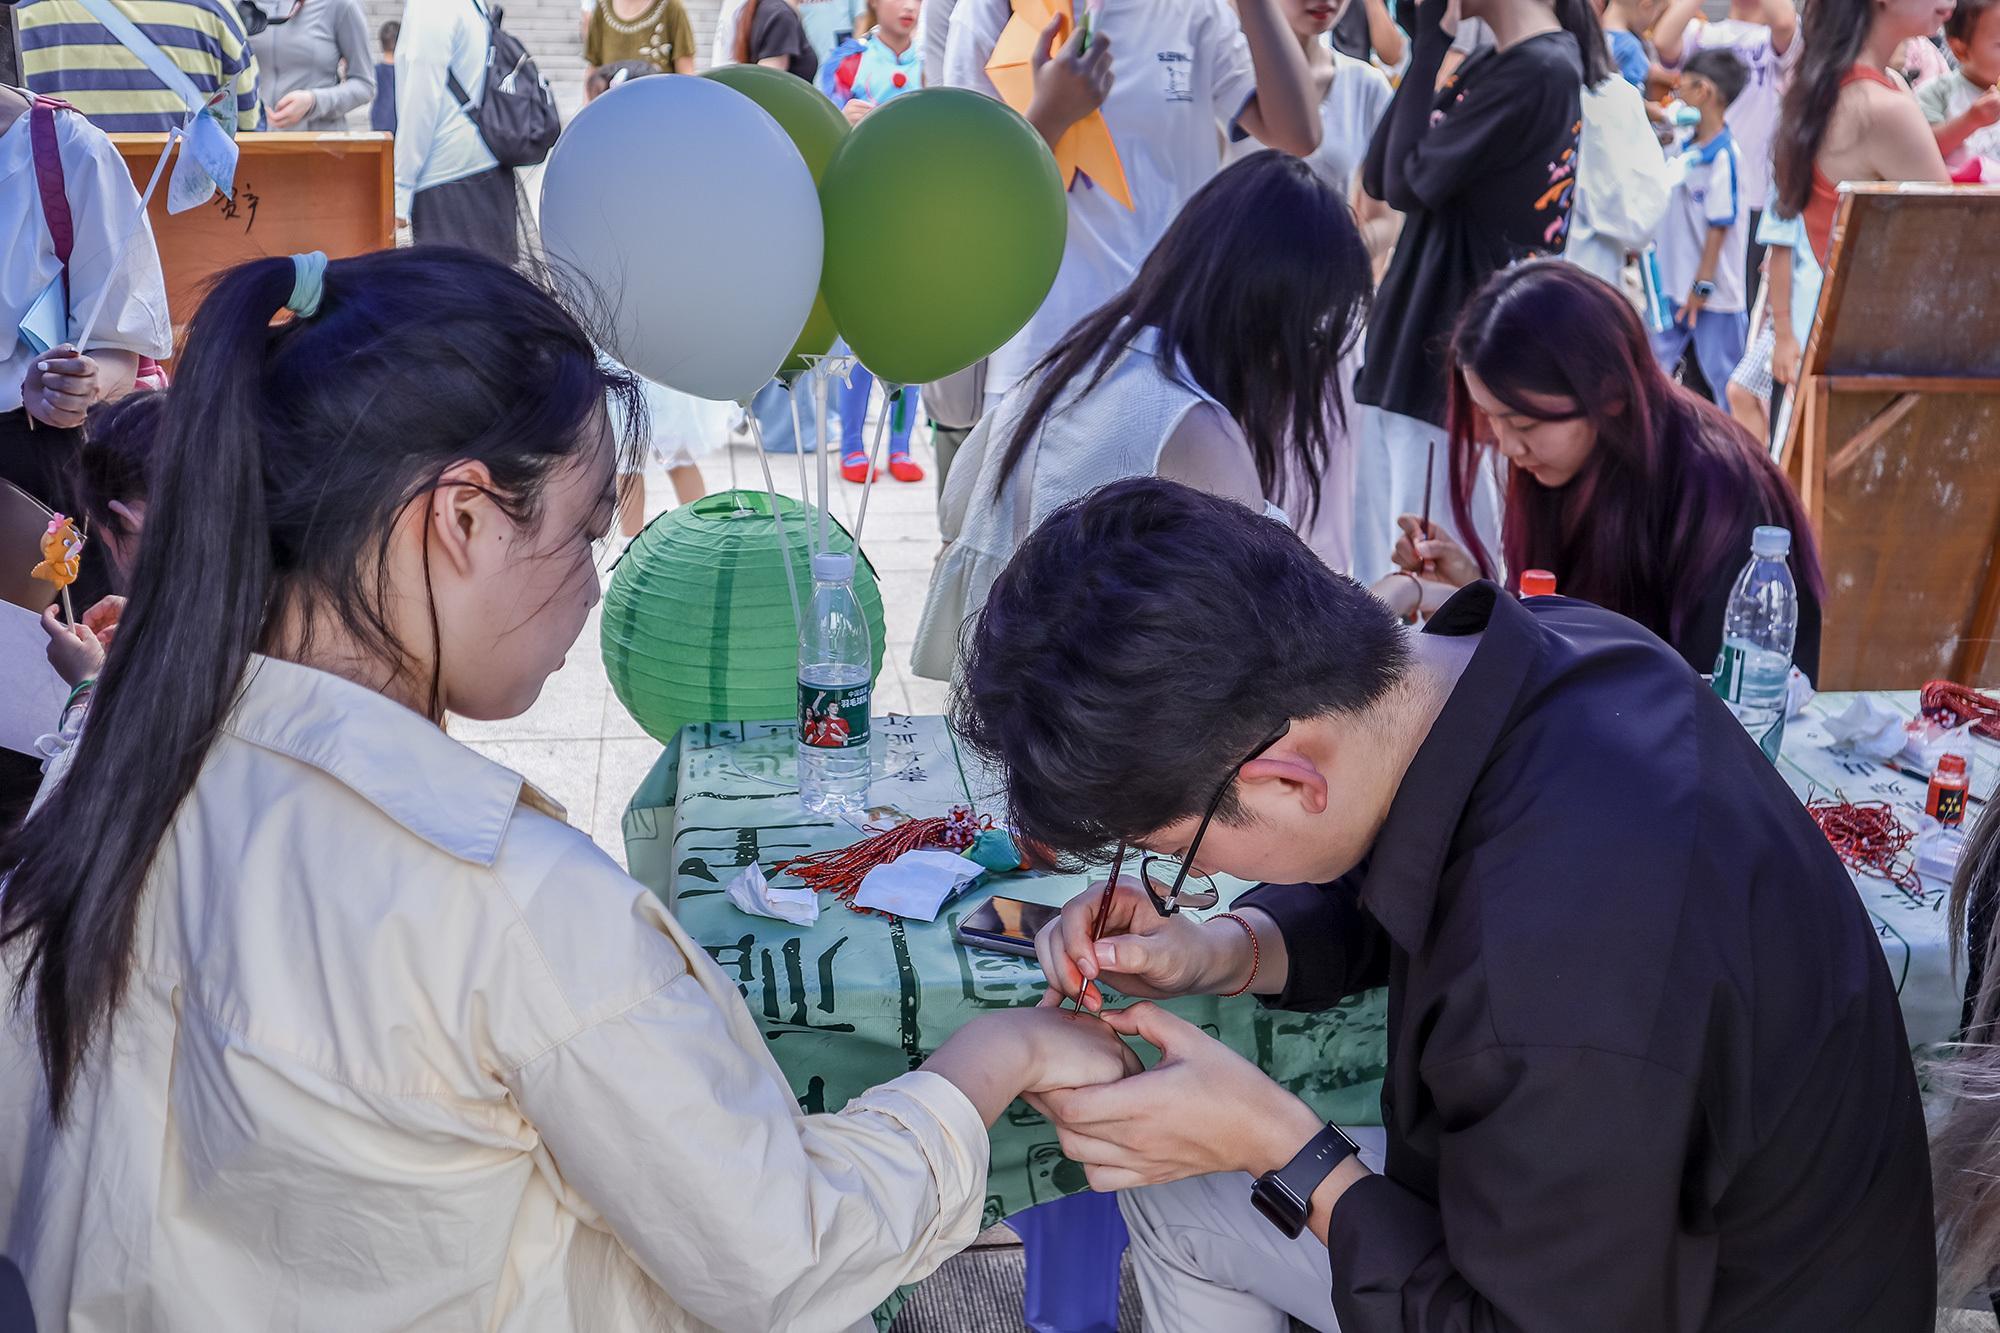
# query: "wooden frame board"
1895,439
294,192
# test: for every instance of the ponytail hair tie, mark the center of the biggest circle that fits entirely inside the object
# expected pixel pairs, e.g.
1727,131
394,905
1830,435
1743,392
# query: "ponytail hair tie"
308,284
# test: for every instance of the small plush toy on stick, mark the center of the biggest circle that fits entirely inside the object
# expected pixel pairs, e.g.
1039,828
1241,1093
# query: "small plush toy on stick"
62,553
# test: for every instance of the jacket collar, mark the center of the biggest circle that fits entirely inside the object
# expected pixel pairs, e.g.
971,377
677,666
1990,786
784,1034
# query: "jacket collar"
446,794
1408,858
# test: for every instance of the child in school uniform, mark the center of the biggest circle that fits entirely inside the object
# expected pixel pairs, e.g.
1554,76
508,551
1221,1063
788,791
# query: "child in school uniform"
1701,240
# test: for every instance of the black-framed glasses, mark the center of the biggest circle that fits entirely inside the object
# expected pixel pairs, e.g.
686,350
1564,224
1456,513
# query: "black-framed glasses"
1165,877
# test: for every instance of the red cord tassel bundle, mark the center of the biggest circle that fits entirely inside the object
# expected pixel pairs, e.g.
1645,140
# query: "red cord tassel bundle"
1951,705
1870,838
841,870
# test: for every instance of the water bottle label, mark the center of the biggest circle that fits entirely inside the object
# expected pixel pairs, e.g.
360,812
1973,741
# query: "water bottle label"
1729,673
834,717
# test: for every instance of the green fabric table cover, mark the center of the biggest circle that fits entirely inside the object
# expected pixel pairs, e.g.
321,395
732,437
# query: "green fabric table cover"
855,1000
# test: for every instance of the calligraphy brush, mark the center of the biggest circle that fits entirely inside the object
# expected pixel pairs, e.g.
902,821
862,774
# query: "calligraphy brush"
1097,926
1424,533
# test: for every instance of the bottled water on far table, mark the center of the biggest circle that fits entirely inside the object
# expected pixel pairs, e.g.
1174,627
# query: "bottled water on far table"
1755,665
836,687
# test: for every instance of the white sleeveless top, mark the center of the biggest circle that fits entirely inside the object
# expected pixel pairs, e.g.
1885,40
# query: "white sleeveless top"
1085,441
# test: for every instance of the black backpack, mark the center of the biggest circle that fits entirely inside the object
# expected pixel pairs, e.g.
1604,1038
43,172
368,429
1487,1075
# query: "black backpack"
517,116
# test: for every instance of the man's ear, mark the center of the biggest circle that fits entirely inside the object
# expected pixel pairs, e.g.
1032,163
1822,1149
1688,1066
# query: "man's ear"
1292,774
461,515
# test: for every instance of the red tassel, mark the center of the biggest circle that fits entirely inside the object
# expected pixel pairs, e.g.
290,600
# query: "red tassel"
841,870
1953,705
1869,838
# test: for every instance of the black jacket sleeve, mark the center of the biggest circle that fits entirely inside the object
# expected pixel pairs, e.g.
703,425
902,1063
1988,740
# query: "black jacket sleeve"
1410,110
1335,947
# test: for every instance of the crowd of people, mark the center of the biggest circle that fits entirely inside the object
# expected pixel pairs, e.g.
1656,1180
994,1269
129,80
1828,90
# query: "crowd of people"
1388,304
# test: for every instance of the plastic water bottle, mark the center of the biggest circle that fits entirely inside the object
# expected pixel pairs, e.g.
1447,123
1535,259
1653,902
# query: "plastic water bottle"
1755,664
836,686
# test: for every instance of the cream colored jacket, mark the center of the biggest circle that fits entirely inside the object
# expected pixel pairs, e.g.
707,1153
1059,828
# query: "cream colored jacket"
402,1051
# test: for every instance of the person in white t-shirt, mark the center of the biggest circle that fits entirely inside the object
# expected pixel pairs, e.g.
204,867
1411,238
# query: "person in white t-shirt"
1163,73
1700,242
1353,96
1764,34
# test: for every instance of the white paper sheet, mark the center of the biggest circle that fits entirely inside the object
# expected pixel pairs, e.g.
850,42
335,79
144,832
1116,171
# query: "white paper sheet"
31,703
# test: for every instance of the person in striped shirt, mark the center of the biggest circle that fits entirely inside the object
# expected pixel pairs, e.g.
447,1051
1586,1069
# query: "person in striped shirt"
68,54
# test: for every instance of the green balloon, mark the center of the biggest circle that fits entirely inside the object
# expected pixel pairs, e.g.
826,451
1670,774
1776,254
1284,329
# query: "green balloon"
803,111
816,127
944,230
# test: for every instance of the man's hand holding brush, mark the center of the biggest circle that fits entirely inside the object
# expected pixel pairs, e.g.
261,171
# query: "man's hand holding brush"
1141,953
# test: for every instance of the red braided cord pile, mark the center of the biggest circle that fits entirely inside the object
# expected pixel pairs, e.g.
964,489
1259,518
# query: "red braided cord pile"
841,870
1869,838
1953,705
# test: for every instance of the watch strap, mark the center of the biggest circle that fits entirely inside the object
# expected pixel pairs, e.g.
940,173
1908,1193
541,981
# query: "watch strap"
1285,1195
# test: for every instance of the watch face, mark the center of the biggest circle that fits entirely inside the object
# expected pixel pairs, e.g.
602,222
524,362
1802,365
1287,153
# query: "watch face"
1279,1207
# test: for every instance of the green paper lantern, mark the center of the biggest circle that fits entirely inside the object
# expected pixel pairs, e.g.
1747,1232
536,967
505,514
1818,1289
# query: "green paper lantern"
698,623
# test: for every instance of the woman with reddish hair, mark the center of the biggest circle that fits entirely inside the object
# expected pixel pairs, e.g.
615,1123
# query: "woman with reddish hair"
1635,493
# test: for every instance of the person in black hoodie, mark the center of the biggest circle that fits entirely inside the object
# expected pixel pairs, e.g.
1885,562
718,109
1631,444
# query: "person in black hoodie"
1483,170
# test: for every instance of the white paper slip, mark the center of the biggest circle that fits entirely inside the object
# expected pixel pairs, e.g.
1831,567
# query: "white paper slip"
31,702
917,884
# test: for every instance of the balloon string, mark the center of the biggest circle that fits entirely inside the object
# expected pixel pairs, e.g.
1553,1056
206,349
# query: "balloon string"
819,442
889,391
784,542
799,450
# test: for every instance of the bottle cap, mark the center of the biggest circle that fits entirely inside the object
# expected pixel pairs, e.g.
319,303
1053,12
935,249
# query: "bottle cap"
834,566
1537,583
1951,765
1771,543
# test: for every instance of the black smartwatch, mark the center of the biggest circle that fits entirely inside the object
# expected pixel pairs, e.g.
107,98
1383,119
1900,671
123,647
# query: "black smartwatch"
1284,1196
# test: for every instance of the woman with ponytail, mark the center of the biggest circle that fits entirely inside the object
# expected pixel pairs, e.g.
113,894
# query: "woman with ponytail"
1845,116
1483,170
318,1017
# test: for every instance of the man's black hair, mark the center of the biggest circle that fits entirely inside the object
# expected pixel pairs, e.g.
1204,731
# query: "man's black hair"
1140,644
1721,67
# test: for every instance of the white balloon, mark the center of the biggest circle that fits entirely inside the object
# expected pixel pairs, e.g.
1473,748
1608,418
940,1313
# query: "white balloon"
690,215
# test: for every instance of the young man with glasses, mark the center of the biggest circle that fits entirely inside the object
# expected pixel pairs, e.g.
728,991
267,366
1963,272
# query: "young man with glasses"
1646,1065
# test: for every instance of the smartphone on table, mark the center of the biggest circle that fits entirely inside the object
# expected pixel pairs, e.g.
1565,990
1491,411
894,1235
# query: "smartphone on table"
1006,925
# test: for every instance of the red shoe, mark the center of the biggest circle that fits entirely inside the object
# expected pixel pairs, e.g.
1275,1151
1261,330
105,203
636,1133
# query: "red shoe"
903,469
856,469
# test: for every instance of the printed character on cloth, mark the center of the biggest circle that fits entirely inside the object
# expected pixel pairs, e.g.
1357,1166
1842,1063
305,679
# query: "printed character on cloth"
1701,241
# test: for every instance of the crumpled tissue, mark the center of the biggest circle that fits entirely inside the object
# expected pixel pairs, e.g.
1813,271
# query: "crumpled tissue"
916,884
1872,731
752,893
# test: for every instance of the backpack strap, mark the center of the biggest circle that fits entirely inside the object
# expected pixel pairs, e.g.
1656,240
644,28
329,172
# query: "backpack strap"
450,79
49,177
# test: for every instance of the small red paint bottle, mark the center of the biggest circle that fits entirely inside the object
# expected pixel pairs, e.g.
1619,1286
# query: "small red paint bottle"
1946,800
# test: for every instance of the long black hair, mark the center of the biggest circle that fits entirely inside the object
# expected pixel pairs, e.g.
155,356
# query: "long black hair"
286,454
1673,485
1580,21
1258,288
1833,32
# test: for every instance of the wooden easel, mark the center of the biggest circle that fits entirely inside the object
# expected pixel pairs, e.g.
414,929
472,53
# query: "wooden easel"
1894,444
